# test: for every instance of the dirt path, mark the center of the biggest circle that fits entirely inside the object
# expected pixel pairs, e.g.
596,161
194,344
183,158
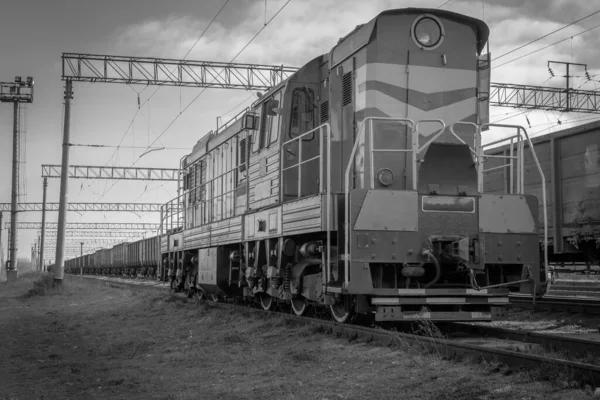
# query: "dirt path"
93,341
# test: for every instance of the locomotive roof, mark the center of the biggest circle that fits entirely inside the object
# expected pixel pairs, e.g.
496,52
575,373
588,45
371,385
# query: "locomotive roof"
231,127
482,30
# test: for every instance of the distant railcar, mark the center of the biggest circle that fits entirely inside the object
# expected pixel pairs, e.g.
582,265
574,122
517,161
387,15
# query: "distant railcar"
106,261
571,162
119,258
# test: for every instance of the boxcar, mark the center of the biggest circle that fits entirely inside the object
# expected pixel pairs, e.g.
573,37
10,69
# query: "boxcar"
133,259
570,160
149,256
106,260
119,257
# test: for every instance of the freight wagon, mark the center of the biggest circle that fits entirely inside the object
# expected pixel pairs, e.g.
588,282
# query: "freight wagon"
142,257
570,160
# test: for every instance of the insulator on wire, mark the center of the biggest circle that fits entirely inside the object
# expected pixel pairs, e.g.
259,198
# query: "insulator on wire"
138,101
528,123
587,76
551,72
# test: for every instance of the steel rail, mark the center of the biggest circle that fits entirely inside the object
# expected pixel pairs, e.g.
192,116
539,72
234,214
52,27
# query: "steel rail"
587,373
552,342
589,305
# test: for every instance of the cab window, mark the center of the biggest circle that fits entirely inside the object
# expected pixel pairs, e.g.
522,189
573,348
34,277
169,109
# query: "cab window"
270,120
302,112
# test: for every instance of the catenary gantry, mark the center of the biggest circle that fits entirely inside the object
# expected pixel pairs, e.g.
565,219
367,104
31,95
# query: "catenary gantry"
121,173
98,234
143,226
170,72
83,207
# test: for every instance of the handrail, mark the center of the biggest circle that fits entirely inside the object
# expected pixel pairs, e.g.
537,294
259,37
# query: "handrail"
437,135
473,150
357,141
518,157
521,184
325,134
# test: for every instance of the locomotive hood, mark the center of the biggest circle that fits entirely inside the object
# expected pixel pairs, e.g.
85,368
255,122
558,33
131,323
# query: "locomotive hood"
362,34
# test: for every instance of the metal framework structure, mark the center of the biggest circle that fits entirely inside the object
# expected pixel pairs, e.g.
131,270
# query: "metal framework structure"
99,234
83,207
16,92
123,173
169,72
544,98
92,225
89,242
157,71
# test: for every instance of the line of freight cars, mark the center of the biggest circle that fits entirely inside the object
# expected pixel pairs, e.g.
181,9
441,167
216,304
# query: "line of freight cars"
140,258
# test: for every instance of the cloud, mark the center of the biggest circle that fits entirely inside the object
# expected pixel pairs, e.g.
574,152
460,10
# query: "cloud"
302,31
306,29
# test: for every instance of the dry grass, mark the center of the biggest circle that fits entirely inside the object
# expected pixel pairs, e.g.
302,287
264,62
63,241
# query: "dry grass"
94,341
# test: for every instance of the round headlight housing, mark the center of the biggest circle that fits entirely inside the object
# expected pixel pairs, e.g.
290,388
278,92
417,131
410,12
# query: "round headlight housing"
428,32
385,176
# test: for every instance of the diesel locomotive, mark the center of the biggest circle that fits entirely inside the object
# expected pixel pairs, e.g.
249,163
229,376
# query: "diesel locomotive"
357,185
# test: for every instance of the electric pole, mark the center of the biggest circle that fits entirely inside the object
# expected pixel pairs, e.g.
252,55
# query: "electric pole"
43,225
16,92
59,265
568,77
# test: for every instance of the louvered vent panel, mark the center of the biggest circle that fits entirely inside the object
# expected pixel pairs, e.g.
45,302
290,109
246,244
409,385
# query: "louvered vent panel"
347,89
201,191
243,152
324,112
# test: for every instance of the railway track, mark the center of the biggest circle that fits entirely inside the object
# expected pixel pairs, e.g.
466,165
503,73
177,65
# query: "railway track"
512,348
575,296
572,304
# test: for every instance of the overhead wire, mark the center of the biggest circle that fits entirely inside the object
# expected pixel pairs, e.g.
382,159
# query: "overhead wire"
545,47
159,87
546,35
126,147
232,60
202,91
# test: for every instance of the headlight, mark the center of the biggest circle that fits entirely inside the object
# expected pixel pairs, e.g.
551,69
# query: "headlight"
427,32
385,176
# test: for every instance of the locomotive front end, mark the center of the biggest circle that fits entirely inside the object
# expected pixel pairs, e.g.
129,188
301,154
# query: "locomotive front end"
423,239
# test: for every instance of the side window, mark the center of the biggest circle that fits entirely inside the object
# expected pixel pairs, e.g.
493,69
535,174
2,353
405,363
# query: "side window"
302,113
269,122
265,124
275,117
243,153
255,138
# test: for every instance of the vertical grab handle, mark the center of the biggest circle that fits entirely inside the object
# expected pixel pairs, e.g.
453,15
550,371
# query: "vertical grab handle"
437,135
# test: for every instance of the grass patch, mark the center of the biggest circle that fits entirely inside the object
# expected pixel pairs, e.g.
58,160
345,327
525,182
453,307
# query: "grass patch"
105,342
44,285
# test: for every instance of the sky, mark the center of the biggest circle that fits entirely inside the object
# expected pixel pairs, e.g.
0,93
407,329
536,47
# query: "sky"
34,34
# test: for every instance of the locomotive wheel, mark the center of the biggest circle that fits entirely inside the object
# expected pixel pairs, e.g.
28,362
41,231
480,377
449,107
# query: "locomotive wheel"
266,302
339,313
299,305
